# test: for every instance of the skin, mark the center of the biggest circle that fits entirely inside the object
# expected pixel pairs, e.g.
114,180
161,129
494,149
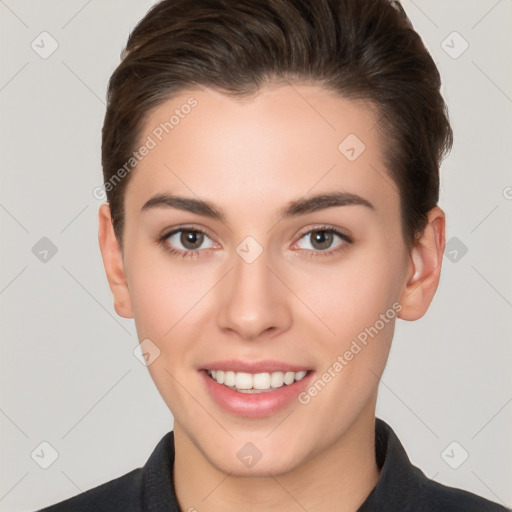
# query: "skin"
251,158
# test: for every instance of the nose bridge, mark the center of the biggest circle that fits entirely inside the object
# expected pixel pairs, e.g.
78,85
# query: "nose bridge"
251,276
252,300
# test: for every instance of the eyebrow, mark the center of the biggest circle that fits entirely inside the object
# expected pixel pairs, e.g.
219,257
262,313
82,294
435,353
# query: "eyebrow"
294,208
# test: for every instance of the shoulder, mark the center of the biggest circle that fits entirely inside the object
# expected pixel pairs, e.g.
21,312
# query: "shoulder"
403,486
437,497
120,494
144,488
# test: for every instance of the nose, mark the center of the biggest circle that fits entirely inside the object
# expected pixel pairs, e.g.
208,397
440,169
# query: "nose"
254,303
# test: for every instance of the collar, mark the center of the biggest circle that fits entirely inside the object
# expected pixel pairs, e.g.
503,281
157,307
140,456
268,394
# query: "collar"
399,481
399,487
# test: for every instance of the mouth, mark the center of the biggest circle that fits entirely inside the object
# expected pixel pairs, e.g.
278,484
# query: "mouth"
264,382
255,390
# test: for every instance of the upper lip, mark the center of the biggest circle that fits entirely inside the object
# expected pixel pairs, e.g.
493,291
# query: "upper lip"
265,366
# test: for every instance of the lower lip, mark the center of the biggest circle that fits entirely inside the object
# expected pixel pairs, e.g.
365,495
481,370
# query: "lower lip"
254,405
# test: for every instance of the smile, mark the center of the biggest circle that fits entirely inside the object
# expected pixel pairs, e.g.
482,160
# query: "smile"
255,382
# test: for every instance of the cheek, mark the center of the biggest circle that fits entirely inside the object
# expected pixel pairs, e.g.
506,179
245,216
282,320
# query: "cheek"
359,302
163,290
164,298
351,295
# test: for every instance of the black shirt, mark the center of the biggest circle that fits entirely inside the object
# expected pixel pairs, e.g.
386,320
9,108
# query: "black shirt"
401,487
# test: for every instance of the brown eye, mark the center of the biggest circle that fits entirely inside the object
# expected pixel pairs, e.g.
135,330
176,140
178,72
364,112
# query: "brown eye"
187,240
191,240
321,240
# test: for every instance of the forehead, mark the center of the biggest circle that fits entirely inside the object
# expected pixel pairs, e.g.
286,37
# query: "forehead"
286,141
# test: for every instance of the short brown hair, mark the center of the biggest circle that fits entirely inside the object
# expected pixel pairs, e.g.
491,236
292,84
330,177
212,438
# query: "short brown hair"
362,49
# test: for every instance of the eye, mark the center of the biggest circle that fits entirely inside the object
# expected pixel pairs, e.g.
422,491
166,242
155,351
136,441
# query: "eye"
323,239
186,241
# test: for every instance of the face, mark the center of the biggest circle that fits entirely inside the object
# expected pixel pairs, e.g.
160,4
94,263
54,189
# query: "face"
263,240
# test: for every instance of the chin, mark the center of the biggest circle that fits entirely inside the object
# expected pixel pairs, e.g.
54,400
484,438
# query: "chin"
276,464
240,457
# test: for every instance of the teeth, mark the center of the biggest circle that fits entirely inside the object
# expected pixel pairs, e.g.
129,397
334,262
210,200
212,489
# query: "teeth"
289,378
260,381
248,382
243,380
276,379
229,378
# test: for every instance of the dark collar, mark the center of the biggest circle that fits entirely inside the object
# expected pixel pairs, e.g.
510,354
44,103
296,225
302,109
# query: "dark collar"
401,486
399,481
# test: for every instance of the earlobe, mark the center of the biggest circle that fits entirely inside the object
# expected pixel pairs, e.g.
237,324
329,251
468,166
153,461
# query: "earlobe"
426,260
113,262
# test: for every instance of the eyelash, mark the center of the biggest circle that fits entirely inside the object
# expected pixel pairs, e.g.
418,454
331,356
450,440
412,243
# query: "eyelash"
196,253
177,252
329,252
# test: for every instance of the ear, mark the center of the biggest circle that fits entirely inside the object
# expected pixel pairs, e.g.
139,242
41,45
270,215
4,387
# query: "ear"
425,267
113,263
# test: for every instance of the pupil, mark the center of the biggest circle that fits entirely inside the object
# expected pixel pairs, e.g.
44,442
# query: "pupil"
322,239
191,238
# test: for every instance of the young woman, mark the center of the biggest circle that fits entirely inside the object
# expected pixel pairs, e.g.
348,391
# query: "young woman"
272,175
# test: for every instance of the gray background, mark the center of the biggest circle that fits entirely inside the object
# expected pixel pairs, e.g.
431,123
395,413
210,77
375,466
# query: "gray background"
68,373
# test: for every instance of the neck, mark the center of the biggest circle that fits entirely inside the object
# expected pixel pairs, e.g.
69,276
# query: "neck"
338,478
